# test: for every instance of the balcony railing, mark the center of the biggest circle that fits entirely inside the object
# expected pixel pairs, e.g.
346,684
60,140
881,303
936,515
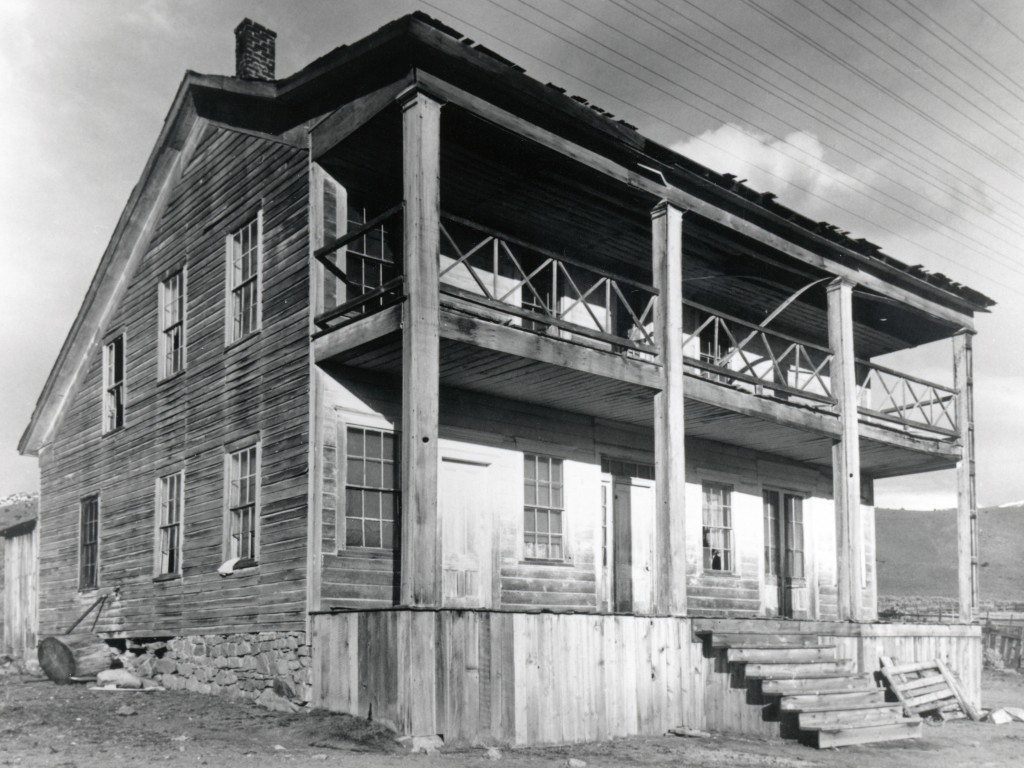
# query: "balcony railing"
537,289
753,358
911,402
362,271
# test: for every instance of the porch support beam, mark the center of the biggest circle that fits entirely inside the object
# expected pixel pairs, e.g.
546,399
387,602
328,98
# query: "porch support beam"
966,493
347,119
421,157
846,454
669,422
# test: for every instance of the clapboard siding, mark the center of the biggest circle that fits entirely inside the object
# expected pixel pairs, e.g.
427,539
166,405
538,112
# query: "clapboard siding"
258,387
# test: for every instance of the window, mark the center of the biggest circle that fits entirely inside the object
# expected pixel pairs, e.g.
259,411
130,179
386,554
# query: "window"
717,507
371,488
543,507
369,259
113,385
170,504
242,503
172,324
783,534
88,543
245,255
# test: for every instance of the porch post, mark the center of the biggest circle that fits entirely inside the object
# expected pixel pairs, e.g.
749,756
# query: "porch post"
421,157
846,453
966,495
669,443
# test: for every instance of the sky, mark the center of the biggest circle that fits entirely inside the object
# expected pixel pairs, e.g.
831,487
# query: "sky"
898,121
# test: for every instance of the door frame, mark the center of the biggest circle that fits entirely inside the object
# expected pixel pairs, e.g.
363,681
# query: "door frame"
781,582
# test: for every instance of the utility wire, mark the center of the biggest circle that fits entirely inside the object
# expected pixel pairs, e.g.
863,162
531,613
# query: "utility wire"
992,16
792,102
674,125
883,88
1009,204
914,65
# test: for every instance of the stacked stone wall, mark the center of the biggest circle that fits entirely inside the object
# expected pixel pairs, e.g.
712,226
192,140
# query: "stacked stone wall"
270,668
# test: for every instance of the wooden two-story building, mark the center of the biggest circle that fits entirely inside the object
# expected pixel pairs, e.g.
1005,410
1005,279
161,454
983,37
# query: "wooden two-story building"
421,390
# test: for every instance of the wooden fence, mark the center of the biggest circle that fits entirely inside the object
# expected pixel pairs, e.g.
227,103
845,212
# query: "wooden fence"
1007,641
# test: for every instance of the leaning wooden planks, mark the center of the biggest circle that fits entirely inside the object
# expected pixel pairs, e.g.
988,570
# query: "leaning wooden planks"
927,686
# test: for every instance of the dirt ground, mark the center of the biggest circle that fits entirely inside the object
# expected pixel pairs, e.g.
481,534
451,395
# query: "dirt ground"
42,724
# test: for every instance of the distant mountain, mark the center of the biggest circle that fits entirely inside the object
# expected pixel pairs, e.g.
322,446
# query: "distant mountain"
917,552
18,508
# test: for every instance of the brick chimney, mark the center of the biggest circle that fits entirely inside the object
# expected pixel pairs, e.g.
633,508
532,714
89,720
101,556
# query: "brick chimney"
254,51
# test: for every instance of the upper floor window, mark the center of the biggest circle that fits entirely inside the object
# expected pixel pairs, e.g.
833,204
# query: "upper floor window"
170,507
371,488
172,324
717,509
88,543
245,257
543,508
243,504
113,384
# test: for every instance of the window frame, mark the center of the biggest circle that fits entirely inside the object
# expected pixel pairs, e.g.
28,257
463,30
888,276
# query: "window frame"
166,329
729,548
783,540
114,389
341,534
84,585
232,331
548,509
230,505
162,505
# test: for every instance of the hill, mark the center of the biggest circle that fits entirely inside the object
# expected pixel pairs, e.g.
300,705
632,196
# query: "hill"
917,552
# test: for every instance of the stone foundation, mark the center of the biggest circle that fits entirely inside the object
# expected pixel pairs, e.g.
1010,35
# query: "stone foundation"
271,668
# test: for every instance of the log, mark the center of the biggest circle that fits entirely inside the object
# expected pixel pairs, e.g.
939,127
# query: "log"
68,656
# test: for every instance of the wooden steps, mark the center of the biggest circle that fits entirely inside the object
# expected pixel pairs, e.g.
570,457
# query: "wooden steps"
822,699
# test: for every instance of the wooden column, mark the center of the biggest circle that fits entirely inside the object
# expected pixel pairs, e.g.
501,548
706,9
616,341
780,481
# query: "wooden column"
669,444
846,453
421,161
966,494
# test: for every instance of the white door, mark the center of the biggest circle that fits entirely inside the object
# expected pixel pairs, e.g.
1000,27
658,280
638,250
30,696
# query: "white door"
466,525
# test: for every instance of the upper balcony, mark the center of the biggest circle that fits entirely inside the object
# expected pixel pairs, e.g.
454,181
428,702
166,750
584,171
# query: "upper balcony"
546,294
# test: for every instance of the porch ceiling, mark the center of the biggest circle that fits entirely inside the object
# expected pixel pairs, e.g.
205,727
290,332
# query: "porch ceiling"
713,412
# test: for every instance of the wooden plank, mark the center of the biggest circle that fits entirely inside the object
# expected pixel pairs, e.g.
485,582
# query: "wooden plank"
516,341
966,492
355,335
781,655
843,737
344,121
818,685
800,702
421,544
850,716
797,670
954,685
669,419
846,453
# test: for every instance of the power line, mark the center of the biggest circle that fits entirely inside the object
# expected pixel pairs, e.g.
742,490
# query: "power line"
666,122
1009,203
882,87
992,16
695,45
839,180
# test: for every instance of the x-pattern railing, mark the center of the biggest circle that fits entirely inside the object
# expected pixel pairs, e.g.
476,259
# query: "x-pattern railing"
368,281
544,290
733,350
900,398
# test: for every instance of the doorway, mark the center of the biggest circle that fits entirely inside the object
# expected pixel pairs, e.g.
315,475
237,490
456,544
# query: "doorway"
627,536
784,562
466,532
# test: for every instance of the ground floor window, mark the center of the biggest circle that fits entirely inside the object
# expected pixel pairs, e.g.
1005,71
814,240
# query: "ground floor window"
371,488
243,511
88,543
543,532
717,512
783,534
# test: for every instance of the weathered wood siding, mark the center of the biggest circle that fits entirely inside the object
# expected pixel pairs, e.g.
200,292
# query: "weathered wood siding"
509,678
541,678
19,584
257,387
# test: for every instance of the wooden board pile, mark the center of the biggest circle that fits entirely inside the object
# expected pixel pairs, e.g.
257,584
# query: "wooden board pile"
928,687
